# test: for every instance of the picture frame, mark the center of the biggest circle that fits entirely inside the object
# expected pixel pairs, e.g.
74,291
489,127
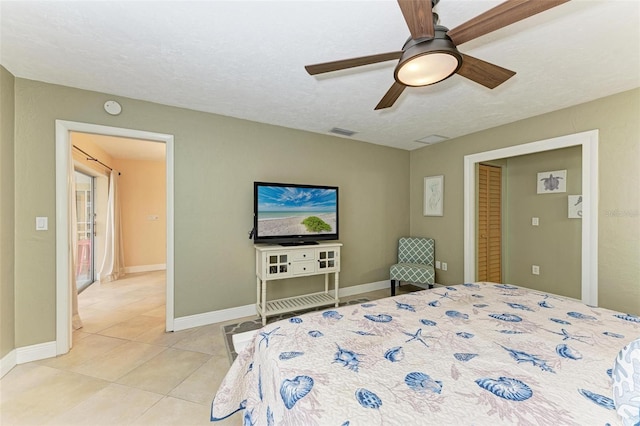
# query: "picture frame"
552,182
434,195
574,207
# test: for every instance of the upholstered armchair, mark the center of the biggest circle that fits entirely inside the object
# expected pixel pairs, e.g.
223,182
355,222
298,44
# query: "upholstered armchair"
415,262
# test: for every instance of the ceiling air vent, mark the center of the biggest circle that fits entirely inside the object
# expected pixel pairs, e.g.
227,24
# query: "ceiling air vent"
342,132
428,140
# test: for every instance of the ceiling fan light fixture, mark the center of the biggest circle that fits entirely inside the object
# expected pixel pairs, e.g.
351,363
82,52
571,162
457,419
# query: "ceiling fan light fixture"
425,62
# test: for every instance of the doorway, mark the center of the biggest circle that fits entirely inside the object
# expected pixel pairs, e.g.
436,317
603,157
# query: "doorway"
588,141
63,248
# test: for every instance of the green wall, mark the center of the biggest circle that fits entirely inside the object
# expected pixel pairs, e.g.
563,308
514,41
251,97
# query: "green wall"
7,179
216,161
616,117
556,243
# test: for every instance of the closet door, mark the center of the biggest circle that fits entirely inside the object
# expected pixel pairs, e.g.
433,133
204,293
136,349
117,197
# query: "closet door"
489,224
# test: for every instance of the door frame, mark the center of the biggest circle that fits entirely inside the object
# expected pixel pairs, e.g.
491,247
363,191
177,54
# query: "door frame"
589,142
63,277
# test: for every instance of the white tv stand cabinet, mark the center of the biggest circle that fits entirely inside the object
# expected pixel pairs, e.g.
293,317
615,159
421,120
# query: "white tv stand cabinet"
274,262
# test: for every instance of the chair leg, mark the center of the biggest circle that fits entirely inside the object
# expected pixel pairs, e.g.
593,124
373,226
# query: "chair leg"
393,287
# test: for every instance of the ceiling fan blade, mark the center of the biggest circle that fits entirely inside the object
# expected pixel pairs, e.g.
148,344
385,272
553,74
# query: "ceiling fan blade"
391,96
419,17
351,63
484,73
500,16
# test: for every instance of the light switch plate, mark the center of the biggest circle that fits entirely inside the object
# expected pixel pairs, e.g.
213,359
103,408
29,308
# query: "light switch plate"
42,223
535,221
437,264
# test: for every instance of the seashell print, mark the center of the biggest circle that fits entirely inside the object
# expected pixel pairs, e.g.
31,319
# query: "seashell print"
471,285
405,306
578,315
506,317
464,356
295,320
347,358
610,373
260,394
628,317
464,335
544,304
612,334
434,303
480,305
295,389
477,296
452,288
521,356
520,306
379,318
510,332
332,315
316,333
428,322
368,399
506,387
560,321
368,305
347,423
420,382
566,352
289,355
456,314
364,333
506,286
601,400
394,354
270,421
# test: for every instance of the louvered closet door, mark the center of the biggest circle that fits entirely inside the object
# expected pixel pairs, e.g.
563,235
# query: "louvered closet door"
490,224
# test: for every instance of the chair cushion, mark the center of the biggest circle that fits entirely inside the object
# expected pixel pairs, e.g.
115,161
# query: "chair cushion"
413,273
416,250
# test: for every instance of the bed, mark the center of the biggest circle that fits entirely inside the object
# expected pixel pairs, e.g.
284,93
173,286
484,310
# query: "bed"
475,354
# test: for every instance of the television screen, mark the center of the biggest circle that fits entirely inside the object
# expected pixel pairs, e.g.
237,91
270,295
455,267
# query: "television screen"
295,214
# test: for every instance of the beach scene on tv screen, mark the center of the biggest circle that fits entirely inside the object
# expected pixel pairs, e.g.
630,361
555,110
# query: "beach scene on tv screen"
287,210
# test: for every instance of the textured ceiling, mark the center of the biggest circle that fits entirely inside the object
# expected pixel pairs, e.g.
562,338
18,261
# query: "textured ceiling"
245,59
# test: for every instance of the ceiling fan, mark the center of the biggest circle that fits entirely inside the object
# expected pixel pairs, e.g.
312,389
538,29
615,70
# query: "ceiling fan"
430,55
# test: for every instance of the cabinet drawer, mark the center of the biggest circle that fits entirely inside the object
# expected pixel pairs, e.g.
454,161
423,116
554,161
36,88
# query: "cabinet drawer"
303,255
304,267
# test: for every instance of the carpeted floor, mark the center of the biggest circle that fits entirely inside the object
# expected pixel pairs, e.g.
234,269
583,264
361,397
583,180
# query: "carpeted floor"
231,329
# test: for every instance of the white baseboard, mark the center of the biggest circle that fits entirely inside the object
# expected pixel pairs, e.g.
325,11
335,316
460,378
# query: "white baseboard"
229,314
145,268
213,317
7,363
36,352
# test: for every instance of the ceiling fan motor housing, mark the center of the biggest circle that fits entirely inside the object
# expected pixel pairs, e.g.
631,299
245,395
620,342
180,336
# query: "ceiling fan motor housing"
414,50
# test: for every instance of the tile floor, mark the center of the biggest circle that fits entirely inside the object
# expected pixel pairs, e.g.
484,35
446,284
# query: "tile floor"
123,368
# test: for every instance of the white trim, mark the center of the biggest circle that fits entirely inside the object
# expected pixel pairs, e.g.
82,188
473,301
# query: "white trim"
229,314
145,268
7,363
36,352
63,291
213,317
589,142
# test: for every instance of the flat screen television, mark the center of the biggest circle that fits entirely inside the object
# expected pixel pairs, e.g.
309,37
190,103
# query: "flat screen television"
293,214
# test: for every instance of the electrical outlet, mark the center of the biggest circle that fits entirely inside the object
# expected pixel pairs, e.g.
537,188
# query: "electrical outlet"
444,266
535,269
535,221
437,264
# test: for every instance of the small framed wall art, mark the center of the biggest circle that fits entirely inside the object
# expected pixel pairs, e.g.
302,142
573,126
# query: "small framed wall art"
552,182
575,206
434,195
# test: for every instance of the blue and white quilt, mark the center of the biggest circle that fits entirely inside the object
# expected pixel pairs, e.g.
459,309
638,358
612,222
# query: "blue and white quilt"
472,354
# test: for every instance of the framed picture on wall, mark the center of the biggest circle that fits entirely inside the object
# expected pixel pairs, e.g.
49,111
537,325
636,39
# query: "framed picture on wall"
552,182
575,206
433,195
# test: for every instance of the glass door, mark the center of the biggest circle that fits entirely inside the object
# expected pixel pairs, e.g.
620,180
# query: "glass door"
86,226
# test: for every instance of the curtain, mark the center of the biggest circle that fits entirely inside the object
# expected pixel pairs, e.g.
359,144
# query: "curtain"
76,322
113,263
